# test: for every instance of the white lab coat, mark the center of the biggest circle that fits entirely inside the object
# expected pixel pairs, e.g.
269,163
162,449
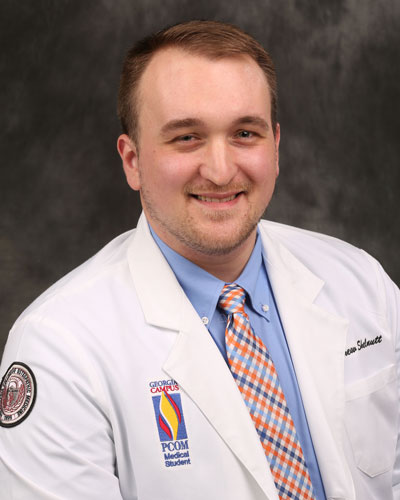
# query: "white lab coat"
98,338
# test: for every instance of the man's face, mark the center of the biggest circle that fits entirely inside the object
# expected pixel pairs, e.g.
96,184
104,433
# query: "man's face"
207,159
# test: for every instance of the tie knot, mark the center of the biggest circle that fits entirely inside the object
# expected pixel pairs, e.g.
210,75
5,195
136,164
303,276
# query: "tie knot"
232,299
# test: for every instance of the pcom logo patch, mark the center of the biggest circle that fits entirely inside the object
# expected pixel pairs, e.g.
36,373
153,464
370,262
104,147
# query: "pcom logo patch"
170,423
169,417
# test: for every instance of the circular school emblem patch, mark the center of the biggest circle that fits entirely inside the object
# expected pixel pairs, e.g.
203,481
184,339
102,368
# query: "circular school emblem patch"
17,394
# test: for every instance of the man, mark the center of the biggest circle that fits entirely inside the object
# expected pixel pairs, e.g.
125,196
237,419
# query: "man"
204,355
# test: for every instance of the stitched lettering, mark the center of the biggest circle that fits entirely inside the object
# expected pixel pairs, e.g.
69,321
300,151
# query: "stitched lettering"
362,344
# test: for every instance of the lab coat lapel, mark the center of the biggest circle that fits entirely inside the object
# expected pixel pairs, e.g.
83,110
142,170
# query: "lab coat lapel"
317,342
194,361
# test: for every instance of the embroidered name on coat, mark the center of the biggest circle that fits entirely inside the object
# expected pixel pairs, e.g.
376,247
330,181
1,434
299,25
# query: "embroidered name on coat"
170,421
362,344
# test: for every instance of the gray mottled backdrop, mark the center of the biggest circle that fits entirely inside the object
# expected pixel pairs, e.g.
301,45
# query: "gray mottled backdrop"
63,193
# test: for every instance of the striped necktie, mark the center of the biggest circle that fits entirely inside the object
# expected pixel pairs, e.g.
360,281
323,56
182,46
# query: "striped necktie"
256,377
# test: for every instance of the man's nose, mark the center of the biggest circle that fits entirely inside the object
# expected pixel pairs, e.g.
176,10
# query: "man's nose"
218,164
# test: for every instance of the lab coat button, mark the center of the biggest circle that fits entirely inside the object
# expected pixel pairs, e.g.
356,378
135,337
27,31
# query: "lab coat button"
204,319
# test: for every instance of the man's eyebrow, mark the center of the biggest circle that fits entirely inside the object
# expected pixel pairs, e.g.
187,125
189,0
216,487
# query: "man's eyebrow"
252,120
173,125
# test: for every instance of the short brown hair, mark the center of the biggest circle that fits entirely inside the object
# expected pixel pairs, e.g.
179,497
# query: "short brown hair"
211,39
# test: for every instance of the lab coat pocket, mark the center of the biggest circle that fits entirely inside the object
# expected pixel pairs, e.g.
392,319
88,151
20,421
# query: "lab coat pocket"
371,421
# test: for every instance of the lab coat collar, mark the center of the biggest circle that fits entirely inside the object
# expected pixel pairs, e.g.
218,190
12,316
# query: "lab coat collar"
154,280
316,340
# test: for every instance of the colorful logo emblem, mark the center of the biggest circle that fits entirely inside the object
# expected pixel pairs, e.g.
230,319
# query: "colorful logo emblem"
169,417
170,423
17,394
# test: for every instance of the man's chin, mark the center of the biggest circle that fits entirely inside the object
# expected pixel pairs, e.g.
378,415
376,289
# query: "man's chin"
216,243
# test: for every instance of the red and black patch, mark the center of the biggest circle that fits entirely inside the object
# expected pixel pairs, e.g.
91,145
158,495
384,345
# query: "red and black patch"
17,394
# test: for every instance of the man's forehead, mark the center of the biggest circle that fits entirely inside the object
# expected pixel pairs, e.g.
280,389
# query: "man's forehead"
180,85
176,59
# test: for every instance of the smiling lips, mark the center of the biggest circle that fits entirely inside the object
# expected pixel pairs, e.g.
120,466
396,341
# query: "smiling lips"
216,199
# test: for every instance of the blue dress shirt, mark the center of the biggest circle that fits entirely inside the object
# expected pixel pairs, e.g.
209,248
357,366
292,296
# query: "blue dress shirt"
203,291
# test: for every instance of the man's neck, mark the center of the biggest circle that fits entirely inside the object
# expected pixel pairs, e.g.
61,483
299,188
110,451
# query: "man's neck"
226,267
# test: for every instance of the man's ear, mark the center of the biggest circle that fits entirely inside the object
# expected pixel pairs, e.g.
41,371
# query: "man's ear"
128,152
277,140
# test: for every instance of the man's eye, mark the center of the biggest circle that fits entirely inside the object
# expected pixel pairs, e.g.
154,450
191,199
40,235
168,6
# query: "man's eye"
186,142
186,138
245,134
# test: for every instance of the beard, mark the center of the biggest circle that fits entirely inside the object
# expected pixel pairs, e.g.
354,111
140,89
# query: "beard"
219,233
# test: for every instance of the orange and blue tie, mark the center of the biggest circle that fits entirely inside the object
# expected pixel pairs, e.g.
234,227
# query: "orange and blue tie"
256,377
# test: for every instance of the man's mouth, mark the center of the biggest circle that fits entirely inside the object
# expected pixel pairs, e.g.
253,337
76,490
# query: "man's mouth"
216,198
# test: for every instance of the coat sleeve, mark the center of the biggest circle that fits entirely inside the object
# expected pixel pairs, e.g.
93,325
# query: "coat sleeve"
64,447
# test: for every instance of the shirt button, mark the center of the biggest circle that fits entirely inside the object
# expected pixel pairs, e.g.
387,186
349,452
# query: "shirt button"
265,308
204,319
